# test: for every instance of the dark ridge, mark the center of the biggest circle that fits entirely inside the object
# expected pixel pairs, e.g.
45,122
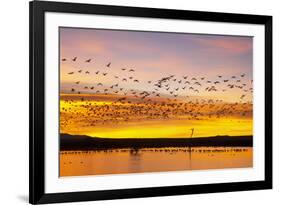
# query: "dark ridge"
83,142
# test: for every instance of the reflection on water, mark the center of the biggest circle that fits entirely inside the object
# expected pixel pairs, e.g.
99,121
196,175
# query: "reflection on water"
116,161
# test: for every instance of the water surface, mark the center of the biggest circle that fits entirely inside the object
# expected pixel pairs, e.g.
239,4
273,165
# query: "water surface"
117,161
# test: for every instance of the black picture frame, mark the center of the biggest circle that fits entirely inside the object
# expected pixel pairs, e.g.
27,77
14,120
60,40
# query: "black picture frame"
37,9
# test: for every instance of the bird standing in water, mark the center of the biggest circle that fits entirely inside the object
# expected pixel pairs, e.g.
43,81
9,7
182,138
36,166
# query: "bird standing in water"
192,131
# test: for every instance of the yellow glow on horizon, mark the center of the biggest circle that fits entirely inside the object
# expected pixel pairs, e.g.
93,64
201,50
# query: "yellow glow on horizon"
76,115
180,129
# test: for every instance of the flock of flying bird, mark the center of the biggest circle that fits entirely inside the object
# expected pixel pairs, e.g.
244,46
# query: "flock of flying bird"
169,97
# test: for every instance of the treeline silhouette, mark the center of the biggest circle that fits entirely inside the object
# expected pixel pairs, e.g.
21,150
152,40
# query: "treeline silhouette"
83,142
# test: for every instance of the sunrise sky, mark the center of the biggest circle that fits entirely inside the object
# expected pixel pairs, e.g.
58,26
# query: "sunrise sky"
152,56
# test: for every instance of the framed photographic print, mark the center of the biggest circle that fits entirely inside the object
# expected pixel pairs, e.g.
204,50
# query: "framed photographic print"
140,102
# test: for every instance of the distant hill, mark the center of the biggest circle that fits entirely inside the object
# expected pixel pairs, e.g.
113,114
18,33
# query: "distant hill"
83,142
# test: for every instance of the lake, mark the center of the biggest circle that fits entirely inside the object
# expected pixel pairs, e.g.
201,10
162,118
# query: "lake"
121,161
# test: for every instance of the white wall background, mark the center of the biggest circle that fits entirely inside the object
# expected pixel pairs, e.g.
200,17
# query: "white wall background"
14,100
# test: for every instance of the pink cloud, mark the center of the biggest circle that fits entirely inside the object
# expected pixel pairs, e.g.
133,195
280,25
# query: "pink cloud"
234,45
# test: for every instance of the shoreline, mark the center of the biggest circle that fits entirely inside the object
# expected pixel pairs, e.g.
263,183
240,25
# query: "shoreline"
83,142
